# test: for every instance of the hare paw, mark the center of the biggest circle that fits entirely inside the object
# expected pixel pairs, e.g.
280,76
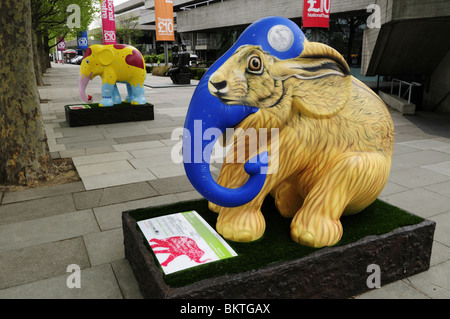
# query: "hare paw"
318,232
240,225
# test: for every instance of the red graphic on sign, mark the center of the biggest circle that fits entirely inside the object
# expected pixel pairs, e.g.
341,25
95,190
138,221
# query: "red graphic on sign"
178,246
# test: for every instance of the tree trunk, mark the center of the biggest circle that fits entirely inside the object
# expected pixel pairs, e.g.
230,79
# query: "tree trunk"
36,61
47,49
24,155
40,51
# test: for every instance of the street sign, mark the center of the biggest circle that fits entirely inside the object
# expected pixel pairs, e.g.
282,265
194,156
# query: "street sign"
61,44
82,40
164,20
316,13
108,22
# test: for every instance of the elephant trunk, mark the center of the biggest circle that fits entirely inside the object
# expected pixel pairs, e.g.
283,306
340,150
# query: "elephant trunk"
202,119
82,84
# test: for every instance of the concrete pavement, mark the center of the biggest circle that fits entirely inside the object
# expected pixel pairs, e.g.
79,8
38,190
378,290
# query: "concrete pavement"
129,165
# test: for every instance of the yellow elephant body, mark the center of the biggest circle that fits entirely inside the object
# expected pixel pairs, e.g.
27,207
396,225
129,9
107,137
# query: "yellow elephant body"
114,63
334,144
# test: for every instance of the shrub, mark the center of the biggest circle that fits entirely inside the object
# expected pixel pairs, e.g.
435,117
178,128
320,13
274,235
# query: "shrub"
160,70
197,73
148,58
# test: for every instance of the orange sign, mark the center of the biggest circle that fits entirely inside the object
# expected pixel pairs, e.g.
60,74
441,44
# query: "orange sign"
164,20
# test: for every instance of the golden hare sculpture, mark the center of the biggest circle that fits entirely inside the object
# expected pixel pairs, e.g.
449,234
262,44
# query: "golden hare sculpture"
335,141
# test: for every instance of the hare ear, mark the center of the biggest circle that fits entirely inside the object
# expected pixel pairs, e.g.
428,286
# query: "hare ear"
322,82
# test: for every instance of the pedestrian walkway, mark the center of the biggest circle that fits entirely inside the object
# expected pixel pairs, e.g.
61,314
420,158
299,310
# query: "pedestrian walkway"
131,165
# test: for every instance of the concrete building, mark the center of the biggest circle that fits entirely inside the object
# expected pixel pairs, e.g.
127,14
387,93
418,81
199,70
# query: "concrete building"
404,39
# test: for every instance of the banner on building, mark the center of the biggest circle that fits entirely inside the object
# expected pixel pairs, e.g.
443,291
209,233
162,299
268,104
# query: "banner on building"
316,13
164,20
108,22
61,44
82,40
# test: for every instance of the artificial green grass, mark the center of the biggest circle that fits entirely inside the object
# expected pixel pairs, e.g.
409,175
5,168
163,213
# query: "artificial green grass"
276,245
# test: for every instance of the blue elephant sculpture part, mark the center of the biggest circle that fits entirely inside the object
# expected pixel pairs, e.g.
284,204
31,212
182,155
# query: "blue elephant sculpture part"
111,95
283,39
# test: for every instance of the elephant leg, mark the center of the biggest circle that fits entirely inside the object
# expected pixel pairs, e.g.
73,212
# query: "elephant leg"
138,95
130,96
107,95
352,182
116,95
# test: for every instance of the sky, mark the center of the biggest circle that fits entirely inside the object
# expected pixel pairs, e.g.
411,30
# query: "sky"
117,2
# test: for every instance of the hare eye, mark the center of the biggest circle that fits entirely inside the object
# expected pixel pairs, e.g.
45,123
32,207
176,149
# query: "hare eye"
255,64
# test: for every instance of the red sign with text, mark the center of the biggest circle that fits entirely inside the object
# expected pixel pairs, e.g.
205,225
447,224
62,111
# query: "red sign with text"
316,13
164,20
108,22
61,44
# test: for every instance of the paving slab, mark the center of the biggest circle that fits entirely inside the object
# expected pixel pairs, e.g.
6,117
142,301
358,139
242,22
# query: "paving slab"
103,168
80,138
125,278
440,253
417,177
101,158
117,178
169,170
138,138
442,234
150,152
37,208
172,185
435,283
104,142
441,168
46,230
396,290
420,202
440,188
40,262
105,246
427,144
392,188
418,158
110,216
41,192
137,146
95,283
126,193
87,199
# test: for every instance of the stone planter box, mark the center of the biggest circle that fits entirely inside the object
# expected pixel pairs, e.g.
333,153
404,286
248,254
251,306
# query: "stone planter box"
108,115
332,272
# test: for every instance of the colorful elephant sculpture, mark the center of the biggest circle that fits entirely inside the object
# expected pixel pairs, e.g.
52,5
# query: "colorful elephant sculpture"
334,136
114,63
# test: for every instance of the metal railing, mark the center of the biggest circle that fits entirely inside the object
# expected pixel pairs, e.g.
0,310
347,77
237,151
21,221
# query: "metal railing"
409,90
205,42
195,5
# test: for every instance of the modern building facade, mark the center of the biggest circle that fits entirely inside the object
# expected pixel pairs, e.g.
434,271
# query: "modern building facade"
405,39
